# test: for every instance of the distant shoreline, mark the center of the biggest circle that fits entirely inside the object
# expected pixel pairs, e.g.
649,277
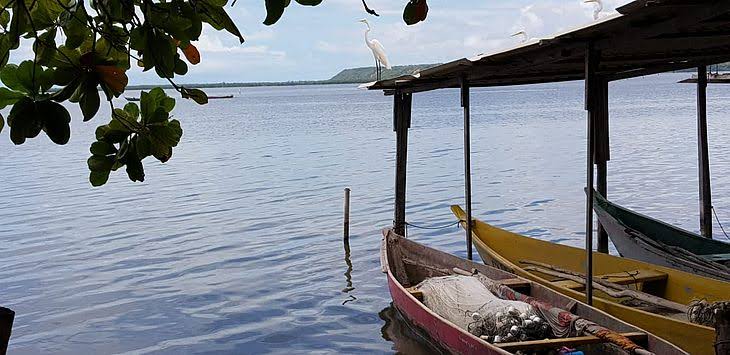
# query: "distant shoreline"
346,76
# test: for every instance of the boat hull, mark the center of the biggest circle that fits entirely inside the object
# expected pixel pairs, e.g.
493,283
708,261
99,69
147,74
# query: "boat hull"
447,336
396,251
643,238
503,249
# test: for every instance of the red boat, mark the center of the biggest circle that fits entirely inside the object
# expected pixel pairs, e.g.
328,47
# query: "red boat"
407,263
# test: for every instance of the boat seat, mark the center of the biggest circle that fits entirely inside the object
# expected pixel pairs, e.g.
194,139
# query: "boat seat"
620,278
517,284
636,337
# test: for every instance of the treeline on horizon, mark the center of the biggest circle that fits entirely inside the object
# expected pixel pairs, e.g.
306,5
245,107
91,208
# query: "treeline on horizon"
350,76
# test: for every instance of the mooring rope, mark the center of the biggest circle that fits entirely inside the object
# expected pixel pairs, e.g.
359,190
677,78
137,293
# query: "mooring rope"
718,222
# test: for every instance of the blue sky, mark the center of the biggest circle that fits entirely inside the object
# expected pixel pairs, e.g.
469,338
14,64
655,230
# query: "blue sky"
311,43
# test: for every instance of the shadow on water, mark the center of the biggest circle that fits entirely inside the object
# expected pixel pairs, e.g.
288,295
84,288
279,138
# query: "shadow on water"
405,339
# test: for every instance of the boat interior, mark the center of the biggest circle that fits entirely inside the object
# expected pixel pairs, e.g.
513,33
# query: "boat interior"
410,263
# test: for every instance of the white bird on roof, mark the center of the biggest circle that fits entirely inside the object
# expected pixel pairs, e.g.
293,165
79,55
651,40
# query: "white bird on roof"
381,59
597,7
522,34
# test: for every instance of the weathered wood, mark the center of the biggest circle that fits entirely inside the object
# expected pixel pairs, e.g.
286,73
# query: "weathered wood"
346,222
6,326
401,123
722,330
602,153
637,337
703,154
611,289
467,165
591,64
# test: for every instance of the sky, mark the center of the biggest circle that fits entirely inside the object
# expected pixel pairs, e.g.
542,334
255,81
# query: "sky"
315,43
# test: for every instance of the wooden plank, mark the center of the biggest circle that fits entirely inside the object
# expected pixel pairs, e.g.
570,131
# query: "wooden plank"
621,278
515,283
636,337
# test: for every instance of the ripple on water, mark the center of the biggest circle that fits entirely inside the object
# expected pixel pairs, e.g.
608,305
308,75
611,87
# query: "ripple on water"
236,246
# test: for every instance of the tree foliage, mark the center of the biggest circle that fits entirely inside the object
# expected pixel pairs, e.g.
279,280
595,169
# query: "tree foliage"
82,50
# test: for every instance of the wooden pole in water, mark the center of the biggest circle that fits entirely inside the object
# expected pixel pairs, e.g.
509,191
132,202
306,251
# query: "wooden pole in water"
591,64
401,123
703,154
346,232
467,163
601,154
6,326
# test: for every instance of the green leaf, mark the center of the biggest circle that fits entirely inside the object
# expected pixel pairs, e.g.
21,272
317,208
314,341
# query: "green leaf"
5,47
45,47
274,10
219,19
309,2
135,170
98,178
9,77
160,115
415,12
4,18
76,27
2,123
143,147
100,163
9,97
56,119
196,95
23,121
102,148
114,132
180,67
132,109
89,100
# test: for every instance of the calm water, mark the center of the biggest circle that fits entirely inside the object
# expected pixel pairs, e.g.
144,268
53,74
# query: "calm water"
235,244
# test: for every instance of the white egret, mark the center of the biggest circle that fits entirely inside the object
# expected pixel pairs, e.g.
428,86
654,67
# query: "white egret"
381,59
597,8
522,34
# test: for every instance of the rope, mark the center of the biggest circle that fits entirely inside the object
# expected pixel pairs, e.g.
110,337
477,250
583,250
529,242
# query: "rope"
452,224
718,222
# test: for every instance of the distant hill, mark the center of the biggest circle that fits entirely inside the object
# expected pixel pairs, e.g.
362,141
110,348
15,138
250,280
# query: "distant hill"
347,76
367,74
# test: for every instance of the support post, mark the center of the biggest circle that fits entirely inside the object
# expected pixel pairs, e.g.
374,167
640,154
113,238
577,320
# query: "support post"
602,153
591,64
703,154
467,163
6,327
401,123
346,222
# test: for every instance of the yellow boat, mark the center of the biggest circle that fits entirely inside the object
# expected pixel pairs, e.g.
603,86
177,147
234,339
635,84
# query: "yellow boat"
519,255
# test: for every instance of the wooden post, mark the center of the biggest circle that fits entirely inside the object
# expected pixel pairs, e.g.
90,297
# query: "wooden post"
591,64
703,154
6,326
346,232
401,123
602,153
467,163
722,329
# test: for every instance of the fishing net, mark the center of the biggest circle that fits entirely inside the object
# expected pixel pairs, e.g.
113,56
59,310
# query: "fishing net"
703,312
466,302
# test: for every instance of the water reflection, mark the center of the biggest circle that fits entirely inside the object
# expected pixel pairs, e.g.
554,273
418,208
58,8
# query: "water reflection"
405,339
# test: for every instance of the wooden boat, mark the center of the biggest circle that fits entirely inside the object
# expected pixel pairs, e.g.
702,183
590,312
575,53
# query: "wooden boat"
518,254
640,237
407,263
